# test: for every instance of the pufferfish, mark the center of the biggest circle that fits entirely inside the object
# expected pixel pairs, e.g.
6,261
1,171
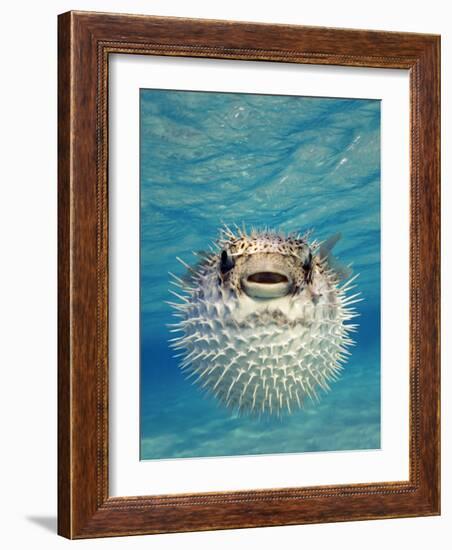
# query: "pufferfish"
264,320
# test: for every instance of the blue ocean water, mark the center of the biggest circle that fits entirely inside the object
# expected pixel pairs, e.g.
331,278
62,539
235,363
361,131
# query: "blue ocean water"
293,163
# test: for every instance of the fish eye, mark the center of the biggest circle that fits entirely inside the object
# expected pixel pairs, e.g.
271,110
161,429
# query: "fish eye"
307,264
307,267
226,261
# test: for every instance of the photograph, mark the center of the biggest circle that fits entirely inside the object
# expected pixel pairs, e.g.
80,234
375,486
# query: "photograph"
259,274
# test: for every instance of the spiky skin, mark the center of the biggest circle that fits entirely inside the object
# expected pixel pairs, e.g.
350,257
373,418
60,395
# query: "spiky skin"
263,357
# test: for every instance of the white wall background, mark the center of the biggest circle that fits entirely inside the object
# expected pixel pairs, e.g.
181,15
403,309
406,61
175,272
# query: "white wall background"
28,270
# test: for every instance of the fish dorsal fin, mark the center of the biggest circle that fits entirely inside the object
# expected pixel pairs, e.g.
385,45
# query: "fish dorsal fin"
325,253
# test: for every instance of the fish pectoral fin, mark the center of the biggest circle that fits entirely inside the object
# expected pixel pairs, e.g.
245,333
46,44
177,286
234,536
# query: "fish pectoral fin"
327,246
325,253
343,271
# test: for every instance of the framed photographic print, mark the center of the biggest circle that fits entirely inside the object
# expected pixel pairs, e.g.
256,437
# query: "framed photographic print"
248,275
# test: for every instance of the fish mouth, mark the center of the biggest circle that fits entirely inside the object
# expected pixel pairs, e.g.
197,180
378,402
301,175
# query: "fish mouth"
266,284
267,278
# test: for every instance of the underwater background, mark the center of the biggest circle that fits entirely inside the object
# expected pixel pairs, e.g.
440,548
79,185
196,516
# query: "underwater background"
292,163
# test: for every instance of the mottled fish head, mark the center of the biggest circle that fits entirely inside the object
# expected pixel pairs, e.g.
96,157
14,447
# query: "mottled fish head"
264,265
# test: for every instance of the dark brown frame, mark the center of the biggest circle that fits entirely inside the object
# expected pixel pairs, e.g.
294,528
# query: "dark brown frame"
84,44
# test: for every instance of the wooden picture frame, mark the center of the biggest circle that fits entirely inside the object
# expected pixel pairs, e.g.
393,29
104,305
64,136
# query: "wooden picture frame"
85,42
